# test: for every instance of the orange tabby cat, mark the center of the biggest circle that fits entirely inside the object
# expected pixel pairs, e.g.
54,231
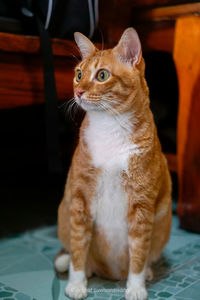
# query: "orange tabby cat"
115,216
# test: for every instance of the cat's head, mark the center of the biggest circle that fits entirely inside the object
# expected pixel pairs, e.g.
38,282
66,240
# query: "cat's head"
109,79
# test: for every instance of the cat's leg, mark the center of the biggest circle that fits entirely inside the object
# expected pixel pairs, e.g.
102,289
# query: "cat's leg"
77,284
80,236
140,220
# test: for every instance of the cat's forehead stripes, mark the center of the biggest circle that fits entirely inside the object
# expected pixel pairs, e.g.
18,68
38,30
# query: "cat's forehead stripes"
93,69
89,68
95,62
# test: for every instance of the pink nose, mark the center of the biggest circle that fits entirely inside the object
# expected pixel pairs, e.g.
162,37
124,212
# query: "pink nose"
79,92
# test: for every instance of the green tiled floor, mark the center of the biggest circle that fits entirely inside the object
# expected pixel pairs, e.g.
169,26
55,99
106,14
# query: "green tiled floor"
26,269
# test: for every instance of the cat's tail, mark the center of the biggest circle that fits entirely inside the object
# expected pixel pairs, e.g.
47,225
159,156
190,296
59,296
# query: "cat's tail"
61,262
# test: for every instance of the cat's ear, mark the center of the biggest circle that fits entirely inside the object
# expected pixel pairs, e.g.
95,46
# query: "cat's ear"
129,50
85,45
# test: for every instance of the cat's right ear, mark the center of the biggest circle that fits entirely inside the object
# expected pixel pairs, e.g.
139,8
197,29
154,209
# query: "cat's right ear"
85,45
129,50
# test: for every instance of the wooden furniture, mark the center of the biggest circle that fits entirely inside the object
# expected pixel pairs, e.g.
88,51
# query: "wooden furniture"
187,59
172,26
175,29
21,73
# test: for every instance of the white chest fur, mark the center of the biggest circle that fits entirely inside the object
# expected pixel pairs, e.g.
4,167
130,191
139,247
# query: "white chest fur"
110,209
110,146
108,139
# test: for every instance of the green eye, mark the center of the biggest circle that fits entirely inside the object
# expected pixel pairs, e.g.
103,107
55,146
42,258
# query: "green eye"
103,75
78,75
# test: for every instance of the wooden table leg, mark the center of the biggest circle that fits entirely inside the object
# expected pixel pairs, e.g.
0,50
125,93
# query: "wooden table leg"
187,60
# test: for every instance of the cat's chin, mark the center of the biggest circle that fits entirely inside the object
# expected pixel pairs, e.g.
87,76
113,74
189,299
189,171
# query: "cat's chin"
88,106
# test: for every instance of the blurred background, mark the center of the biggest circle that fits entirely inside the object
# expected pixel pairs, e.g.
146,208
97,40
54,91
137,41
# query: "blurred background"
30,189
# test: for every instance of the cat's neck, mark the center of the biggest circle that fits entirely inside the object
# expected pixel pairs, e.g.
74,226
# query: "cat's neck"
135,119
108,139
107,121
135,125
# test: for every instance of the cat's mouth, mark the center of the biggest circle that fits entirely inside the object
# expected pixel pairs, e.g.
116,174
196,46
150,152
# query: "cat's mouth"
81,101
86,104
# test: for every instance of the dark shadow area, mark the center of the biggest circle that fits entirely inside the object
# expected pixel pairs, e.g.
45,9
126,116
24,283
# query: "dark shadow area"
161,268
29,194
162,80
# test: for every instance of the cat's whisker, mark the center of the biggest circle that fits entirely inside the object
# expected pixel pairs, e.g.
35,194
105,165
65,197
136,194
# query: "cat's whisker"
67,101
94,98
73,110
61,106
64,106
70,102
116,116
69,108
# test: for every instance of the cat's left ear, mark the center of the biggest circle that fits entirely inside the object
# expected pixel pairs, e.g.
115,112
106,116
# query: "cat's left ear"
85,45
129,50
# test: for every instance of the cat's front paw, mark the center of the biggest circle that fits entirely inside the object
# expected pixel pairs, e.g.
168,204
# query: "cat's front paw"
136,293
76,290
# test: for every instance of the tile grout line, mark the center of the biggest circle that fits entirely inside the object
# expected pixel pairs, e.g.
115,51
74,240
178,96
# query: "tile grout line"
176,269
192,283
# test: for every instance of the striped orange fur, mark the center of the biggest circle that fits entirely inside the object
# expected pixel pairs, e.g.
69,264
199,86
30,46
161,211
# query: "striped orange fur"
115,215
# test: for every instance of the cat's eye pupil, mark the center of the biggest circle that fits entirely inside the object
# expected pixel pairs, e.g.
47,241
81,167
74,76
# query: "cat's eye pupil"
79,75
102,75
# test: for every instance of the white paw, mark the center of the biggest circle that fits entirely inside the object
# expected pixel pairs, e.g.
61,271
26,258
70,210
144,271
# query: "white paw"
76,290
149,274
136,293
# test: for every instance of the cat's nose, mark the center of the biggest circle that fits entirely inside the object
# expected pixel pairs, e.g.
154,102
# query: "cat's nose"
79,92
